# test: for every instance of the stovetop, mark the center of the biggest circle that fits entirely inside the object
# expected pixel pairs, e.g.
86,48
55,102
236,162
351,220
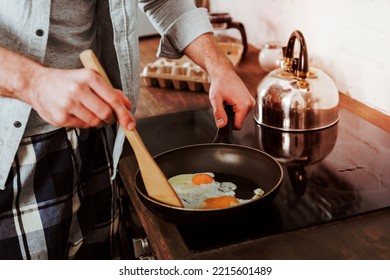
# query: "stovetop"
329,174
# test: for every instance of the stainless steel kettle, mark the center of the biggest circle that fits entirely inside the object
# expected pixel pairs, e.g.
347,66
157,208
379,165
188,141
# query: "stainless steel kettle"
296,97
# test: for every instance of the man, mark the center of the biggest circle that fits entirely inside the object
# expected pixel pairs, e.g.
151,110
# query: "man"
59,146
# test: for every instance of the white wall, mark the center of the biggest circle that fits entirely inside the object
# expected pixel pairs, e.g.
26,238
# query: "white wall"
347,39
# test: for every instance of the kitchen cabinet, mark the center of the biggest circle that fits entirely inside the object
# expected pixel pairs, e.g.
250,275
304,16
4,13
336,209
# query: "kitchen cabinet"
365,236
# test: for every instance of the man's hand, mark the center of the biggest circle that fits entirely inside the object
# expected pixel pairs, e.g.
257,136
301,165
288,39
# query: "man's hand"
226,87
64,98
78,98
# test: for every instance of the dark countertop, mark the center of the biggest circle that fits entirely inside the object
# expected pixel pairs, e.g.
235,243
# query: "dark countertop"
362,237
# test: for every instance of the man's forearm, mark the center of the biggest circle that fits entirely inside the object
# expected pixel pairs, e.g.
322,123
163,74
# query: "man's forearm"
204,51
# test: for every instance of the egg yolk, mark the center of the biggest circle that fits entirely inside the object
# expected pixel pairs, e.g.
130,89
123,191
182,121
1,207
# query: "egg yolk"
202,179
220,202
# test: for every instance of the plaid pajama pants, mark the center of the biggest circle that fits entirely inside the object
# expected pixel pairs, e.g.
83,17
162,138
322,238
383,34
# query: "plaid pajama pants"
60,201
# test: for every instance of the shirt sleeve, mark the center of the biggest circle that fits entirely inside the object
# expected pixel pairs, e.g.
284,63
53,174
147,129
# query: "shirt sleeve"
179,22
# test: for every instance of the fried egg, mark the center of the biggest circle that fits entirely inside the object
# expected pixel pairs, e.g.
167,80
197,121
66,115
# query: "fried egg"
201,191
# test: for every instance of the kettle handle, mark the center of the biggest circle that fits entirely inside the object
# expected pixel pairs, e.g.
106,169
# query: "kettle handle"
299,67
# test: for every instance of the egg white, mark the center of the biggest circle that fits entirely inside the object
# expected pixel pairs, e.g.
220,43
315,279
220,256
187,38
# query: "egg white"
193,196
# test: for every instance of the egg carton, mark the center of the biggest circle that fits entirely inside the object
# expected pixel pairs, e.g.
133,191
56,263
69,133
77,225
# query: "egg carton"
184,74
181,74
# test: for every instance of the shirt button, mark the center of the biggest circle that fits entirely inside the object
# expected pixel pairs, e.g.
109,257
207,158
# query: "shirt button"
39,32
17,124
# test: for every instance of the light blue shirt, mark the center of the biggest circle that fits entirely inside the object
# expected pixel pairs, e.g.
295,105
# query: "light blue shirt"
24,27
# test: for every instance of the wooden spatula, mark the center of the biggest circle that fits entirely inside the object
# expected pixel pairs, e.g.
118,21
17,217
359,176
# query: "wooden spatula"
156,183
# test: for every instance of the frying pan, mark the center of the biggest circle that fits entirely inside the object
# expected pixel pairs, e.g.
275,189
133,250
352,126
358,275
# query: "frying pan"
248,168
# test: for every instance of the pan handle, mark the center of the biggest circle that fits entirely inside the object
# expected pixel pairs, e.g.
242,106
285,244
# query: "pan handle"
225,134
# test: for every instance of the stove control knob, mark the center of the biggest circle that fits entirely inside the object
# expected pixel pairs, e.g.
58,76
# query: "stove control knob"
142,249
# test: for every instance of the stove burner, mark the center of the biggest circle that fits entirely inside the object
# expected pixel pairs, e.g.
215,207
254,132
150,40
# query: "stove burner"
347,176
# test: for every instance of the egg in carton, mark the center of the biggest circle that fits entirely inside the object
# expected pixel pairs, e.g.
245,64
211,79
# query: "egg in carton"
181,74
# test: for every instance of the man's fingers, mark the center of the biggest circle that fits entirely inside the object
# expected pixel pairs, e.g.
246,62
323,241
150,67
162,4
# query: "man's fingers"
115,100
85,115
125,101
239,118
98,107
219,112
221,116
73,121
